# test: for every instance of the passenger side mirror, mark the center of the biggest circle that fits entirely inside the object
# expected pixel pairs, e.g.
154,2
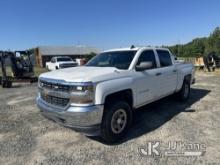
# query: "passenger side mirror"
144,66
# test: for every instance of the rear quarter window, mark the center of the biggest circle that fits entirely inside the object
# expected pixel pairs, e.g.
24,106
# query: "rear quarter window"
164,57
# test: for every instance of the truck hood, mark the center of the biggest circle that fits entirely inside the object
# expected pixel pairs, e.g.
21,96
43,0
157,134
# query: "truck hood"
84,74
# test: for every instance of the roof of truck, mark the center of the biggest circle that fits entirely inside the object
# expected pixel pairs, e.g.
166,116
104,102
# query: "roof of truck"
136,48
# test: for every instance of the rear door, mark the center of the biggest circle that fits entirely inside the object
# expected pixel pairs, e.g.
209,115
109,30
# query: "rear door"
167,73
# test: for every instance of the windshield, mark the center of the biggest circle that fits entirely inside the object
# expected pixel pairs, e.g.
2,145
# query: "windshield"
64,59
118,59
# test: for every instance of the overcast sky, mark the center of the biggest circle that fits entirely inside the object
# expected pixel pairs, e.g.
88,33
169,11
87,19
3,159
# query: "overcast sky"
105,24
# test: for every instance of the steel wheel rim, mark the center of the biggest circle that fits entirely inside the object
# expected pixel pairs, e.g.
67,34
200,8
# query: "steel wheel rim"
119,121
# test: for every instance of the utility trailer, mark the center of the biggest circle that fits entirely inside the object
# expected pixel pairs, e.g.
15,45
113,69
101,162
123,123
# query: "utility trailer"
22,69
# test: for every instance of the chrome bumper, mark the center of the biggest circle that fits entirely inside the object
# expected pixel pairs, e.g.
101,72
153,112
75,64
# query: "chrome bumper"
83,119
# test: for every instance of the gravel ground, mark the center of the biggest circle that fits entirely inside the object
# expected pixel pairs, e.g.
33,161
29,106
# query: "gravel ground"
28,138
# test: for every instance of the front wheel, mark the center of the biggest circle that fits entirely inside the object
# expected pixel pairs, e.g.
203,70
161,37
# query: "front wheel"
116,121
6,84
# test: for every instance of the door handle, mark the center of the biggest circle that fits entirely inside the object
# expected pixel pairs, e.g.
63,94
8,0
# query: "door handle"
158,74
174,70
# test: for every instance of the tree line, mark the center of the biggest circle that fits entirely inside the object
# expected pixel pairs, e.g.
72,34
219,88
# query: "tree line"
199,47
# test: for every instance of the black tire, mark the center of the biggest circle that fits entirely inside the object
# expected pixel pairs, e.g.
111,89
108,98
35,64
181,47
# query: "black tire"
107,129
9,84
4,84
184,93
33,79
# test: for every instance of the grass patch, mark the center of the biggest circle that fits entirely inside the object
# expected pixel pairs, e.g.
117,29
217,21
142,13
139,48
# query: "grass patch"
39,70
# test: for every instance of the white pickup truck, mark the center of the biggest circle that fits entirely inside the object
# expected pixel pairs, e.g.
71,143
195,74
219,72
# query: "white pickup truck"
99,98
60,62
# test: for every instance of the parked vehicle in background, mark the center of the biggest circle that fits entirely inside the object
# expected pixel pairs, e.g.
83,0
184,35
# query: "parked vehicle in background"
100,97
81,61
60,62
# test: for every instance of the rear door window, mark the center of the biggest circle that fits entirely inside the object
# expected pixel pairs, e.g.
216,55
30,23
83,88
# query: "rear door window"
164,57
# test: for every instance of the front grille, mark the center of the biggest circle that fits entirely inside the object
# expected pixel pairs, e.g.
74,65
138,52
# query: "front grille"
62,102
55,86
53,99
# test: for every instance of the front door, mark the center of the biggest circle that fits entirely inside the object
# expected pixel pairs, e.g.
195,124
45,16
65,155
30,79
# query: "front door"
147,80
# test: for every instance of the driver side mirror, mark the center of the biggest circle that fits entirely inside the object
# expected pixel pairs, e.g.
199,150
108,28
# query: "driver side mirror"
144,66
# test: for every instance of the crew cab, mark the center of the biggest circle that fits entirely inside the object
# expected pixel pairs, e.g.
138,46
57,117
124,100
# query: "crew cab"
60,62
100,97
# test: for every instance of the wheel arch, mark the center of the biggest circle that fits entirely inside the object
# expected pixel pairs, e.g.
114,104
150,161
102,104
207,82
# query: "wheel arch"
180,82
125,95
114,87
187,77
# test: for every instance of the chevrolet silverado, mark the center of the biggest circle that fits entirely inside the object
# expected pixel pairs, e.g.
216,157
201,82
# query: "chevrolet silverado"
100,97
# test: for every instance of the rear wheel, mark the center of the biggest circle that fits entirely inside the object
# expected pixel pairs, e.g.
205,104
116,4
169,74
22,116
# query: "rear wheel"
184,93
116,121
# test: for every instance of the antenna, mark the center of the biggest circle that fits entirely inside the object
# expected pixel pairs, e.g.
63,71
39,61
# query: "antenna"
132,47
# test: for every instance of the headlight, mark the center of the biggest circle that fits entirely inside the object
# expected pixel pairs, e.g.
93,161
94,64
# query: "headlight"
82,94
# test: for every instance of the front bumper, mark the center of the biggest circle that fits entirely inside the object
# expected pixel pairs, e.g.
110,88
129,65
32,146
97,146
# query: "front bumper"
82,119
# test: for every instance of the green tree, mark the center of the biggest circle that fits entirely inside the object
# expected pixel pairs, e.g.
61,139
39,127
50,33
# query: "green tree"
199,46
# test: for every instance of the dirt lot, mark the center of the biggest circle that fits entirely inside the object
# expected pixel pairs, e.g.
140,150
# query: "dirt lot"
28,138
